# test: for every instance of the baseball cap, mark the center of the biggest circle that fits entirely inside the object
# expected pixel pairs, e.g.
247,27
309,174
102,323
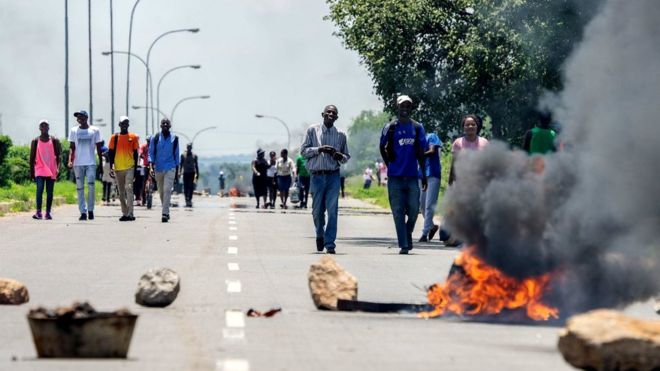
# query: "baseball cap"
123,118
81,113
403,98
42,121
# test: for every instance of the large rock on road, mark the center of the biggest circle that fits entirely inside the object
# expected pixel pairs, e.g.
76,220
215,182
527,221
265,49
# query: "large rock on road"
607,340
329,282
158,287
13,292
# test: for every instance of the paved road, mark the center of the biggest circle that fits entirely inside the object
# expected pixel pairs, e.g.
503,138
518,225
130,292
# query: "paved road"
270,252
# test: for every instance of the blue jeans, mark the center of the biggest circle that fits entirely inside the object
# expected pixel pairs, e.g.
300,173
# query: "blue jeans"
325,197
85,172
428,201
403,193
48,183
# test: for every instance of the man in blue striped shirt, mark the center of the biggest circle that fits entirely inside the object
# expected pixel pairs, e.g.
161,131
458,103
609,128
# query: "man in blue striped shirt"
325,149
164,160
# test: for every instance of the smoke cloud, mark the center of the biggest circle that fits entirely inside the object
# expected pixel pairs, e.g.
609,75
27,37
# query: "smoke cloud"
593,213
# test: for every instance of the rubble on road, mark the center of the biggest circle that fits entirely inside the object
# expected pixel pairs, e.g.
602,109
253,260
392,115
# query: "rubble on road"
75,310
255,313
329,282
158,287
608,340
13,292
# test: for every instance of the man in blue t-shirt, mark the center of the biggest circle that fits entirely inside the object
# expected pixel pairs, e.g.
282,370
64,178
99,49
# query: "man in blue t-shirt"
429,198
402,145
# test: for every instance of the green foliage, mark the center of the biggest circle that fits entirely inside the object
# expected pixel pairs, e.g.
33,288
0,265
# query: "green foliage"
490,57
363,140
23,195
5,145
18,164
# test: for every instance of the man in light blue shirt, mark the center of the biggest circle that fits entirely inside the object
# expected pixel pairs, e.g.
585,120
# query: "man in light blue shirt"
429,198
164,161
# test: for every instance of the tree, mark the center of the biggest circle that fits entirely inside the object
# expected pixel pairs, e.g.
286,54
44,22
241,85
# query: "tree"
5,145
363,139
490,57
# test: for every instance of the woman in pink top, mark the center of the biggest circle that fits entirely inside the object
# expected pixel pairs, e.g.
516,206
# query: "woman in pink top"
470,140
45,158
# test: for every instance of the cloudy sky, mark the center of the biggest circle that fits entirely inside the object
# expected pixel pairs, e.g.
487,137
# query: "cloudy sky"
275,57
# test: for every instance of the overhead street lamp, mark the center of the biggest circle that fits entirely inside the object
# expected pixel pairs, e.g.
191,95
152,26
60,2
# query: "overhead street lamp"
182,135
288,133
196,134
193,66
128,63
150,109
150,84
185,99
146,124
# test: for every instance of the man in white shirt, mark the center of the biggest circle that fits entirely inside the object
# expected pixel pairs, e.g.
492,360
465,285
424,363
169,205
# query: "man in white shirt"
82,141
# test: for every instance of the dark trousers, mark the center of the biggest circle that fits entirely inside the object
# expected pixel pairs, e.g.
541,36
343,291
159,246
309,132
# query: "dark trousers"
304,195
342,183
138,184
272,190
107,191
188,185
49,185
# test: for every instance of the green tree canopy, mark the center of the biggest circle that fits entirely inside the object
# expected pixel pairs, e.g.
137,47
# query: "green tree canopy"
453,57
363,139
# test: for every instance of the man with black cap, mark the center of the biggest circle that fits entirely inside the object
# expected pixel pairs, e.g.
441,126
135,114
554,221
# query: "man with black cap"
82,141
190,170
402,145
123,159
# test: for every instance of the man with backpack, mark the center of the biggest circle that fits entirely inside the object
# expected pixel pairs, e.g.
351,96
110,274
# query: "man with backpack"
402,145
164,162
123,158
190,170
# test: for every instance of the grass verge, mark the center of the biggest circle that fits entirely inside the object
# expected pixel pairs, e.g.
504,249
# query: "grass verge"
21,197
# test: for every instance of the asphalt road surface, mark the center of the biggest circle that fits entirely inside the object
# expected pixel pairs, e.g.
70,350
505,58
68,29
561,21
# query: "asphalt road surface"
231,258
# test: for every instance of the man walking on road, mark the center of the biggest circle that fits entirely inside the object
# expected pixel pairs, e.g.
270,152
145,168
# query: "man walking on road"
325,149
164,161
123,158
45,161
429,198
82,141
303,179
402,144
190,170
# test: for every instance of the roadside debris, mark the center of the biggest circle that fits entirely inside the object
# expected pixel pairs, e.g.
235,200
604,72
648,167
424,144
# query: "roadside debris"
373,307
329,282
255,313
80,330
607,340
158,287
13,292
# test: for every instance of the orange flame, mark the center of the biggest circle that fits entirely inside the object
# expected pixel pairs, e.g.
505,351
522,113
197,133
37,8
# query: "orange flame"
482,289
234,192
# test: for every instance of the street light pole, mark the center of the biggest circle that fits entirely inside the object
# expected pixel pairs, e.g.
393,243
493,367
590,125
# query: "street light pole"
146,124
128,65
201,131
89,47
288,133
151,109
112,75
66,68
185,99
182,135
193,66
150,84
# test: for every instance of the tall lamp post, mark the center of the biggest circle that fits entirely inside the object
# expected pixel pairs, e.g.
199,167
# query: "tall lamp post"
150,109
288,133
128,63
182,135
146,124
193,66
185,99
201,131
149,83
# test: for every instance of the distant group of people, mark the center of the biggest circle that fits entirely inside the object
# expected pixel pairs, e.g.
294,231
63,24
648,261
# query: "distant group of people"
276,176
125,163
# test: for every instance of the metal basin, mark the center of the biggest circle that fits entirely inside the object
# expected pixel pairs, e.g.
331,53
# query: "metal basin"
103,335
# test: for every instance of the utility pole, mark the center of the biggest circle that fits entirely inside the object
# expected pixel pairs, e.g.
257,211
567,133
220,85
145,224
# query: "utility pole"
89,35
112,75
66,68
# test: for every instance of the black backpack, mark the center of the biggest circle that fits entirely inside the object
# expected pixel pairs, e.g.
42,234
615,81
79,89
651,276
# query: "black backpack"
388,154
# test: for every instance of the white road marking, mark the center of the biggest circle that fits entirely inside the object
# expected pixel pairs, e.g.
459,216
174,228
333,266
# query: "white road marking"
232,251
233,228
233,333
233,238
233,365
233,286
233,266
231,214
232,222
234,319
